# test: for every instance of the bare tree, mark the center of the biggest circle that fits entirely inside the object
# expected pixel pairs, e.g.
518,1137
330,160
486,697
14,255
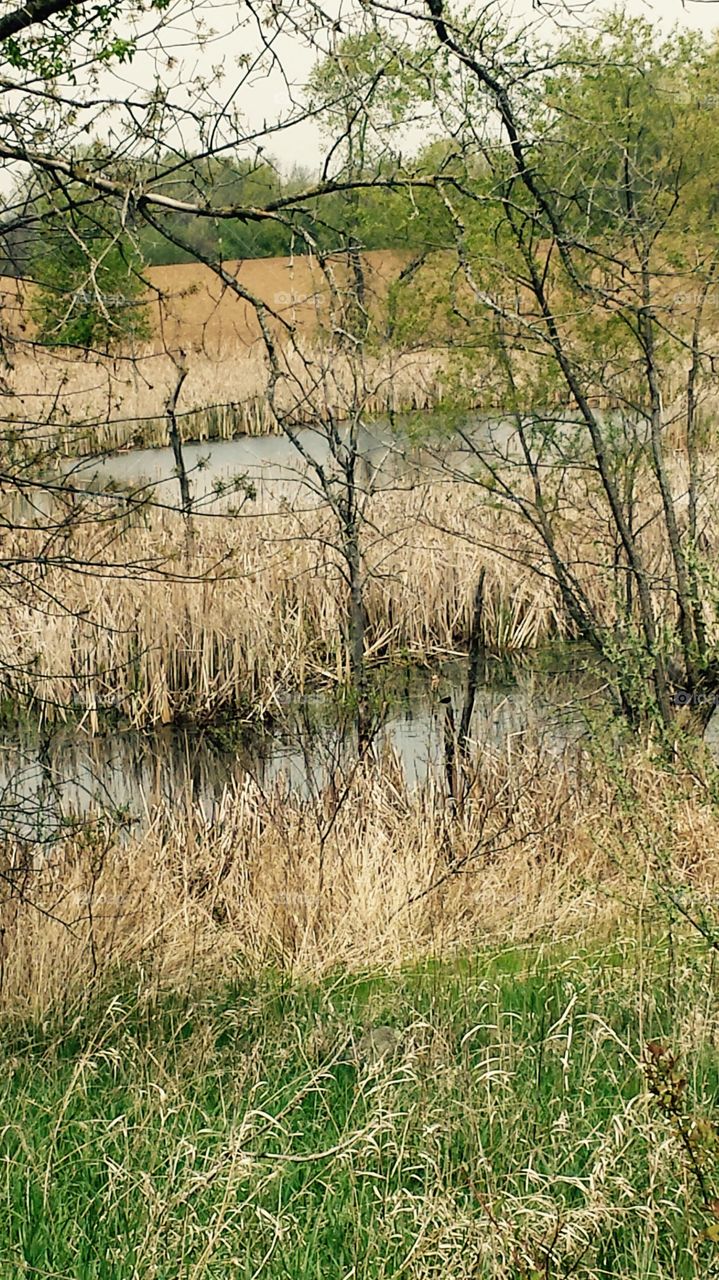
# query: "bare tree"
581,217
133,175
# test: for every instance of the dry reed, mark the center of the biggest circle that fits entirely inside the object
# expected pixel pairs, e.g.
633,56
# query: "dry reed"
263,610
259,609
370,876
83,406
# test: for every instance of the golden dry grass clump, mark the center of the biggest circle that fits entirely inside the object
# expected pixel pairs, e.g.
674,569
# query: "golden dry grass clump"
370,873
153,628
259,608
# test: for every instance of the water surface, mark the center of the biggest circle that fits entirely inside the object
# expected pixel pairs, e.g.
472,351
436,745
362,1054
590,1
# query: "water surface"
45,780
406,452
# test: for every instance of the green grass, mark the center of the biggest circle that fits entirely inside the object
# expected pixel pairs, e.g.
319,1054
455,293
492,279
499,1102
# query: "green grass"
230,1133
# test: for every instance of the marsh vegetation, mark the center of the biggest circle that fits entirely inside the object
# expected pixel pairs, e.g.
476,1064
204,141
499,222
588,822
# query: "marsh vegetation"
359,646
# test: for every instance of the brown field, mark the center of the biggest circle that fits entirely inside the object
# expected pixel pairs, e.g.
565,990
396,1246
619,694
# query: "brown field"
191,308
92,403
195,310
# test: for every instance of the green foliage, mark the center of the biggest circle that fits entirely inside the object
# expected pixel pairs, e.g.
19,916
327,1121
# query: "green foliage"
48,49
370,218
696,1136
223,183
374,219
367,74
631,136
233,1130
90,291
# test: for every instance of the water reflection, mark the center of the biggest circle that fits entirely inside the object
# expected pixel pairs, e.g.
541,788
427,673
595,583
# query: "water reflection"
130,773
270,465
388,455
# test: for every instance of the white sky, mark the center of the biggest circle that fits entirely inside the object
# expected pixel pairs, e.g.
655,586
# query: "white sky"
304,145
263,97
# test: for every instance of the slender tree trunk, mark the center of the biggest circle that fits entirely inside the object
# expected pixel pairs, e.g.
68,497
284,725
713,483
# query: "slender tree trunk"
646,321
173,432
475,661
356,631
449,733
692,447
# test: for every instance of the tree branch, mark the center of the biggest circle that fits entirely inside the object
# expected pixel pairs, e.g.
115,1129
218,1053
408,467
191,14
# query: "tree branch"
36,11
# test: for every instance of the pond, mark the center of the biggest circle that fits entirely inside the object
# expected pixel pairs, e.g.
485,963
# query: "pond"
46,779
410,450
67,772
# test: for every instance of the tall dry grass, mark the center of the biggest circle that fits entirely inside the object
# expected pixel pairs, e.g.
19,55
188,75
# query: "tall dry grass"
82,405
370,873
139,621
259,608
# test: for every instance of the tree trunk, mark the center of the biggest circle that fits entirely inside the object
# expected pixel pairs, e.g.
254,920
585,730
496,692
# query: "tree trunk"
356,632
173,432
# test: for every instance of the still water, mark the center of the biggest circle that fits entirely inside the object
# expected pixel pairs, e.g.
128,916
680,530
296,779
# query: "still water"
67,773
278,472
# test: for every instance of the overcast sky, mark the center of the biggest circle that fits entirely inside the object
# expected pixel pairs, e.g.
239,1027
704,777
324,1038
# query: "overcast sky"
304,145
263,98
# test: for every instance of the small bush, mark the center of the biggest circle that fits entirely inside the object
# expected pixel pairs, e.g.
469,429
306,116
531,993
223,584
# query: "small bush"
90,288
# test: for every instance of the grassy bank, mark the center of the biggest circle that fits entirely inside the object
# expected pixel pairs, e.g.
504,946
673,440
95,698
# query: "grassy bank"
240,1130
189,1089
370,870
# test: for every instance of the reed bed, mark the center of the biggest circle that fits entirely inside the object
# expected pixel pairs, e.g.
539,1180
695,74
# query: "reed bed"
156,622
369,871
81,405
152,630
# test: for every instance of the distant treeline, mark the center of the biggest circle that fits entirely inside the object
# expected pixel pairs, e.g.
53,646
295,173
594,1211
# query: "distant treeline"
369,219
